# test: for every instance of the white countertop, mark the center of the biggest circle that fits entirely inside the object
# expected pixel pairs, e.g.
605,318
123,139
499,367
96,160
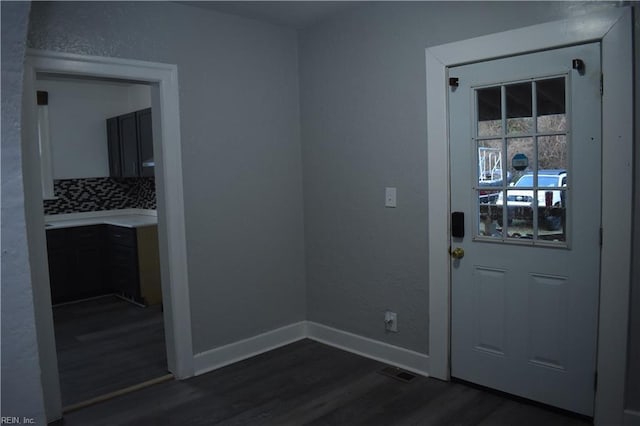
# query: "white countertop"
129,218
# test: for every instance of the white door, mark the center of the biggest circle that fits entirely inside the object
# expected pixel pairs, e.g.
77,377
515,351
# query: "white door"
525,168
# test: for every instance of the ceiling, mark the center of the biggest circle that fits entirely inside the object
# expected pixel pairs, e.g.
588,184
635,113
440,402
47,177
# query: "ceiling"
293,14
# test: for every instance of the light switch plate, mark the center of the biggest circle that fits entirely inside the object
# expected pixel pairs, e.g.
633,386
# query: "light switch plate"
390,197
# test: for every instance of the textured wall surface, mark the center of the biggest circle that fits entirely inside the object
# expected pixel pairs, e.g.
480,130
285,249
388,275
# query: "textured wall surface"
240,150
21,388
78,111
363,107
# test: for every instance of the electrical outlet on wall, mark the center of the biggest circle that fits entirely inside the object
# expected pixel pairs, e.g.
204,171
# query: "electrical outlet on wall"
391,321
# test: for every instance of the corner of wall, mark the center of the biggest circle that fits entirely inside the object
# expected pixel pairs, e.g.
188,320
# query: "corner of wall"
213,359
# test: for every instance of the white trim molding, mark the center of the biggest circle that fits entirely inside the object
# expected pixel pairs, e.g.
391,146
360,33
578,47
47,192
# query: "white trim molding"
407,359
163,79
222,356
613,29
380,351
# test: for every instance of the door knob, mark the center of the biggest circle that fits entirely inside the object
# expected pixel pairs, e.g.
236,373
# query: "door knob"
457,253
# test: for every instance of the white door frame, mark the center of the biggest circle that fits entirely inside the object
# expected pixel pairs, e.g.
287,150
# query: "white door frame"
613,29
168,171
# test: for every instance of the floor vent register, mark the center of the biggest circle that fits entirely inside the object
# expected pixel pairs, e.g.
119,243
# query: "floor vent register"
398,374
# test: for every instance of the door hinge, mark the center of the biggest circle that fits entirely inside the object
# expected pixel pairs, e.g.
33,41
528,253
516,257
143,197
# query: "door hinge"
601,236
454,81
601,84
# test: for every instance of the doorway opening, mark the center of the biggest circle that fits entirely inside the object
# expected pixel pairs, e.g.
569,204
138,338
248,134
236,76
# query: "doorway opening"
102,238
162,81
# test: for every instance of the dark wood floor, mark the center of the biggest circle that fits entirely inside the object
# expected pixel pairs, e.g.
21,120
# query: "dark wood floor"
310,383
107,344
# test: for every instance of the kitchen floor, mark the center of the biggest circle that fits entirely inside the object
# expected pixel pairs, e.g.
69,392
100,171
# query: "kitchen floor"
107,344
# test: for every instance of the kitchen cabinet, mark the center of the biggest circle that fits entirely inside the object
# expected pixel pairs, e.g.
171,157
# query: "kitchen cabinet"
93,260
130,143
134,263
59,253
76,267
123,261
89,251
113,143
145,140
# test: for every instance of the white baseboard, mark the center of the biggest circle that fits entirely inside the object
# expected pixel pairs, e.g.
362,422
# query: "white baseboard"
400,357
631,418
237,351
243,349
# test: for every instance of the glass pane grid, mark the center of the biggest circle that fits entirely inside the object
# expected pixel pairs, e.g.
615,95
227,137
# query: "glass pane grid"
517,205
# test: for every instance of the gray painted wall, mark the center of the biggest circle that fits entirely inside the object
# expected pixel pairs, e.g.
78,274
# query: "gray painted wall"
78,110
363,108
363,128
240,147
21,387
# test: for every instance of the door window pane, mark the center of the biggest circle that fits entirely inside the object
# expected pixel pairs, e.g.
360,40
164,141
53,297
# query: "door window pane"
521,147
553,152
489,111
519,222
552,123
490,162
550,103
490,213
490,185
552,216
519,108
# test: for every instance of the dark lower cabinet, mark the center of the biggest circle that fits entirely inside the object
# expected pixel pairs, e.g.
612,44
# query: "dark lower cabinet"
88,261
76,263
89,248
123,261
60,265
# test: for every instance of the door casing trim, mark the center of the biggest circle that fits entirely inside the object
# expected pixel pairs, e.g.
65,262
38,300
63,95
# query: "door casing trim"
614,30
170,200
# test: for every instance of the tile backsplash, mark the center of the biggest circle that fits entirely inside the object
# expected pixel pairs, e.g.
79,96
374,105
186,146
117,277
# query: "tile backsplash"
104,193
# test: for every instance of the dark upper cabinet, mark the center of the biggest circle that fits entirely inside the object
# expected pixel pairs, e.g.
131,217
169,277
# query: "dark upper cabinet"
145,140
128,133
113,140
130,142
